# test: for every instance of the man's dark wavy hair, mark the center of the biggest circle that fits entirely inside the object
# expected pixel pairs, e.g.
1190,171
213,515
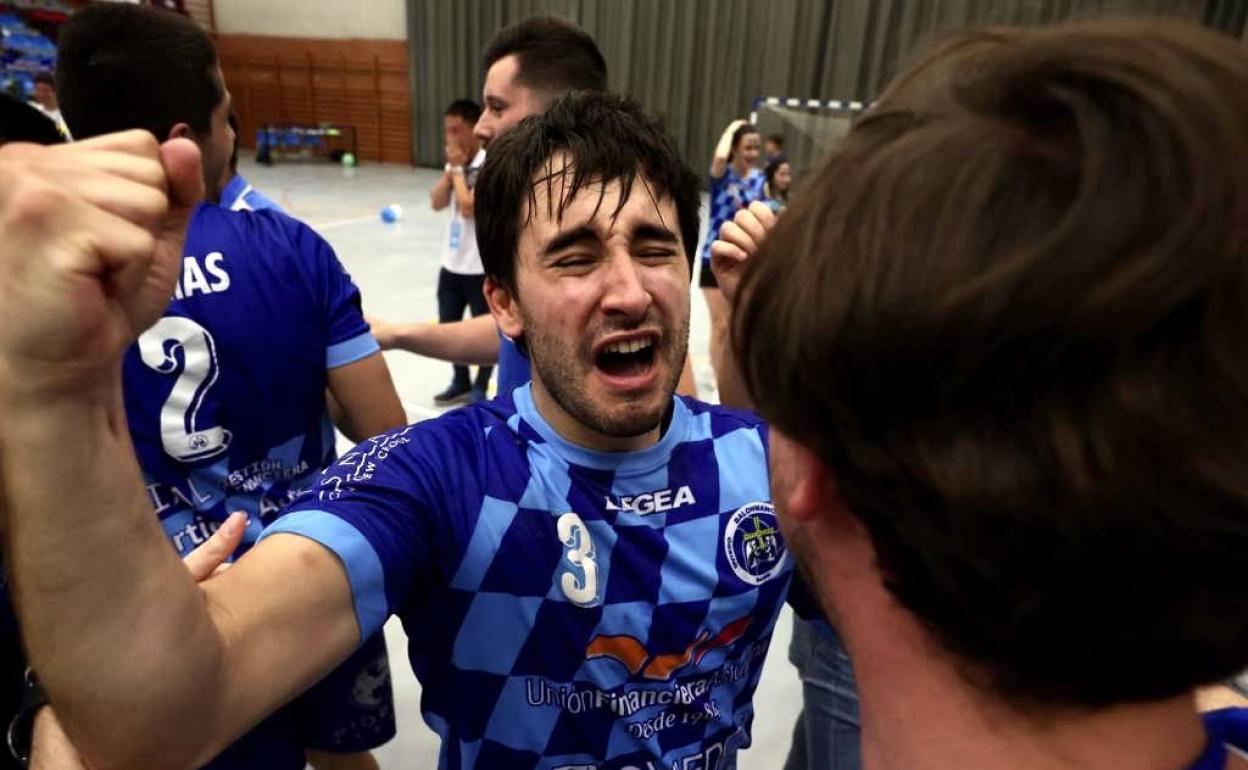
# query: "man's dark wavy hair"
606,138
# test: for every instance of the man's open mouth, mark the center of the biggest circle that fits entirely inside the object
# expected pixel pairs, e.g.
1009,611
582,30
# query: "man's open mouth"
628,357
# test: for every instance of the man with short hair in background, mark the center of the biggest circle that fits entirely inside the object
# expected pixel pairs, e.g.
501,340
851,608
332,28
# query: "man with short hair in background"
527,66
461,277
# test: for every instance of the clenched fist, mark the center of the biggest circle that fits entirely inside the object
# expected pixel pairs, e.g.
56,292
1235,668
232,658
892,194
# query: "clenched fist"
739,240
90,246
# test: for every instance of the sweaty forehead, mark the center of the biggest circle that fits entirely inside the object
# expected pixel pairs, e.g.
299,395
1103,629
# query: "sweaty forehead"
558,201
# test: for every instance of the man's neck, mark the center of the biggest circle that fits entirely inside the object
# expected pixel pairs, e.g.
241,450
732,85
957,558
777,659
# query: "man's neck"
918,713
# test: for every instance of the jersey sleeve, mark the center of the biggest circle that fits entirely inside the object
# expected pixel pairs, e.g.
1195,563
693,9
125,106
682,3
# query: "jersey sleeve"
347,336
379,509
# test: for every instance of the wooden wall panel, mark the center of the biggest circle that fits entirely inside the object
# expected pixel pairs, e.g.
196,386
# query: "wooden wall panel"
202,12
363,83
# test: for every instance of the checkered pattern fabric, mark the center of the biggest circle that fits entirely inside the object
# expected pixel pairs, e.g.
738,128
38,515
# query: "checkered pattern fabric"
566,608
730,193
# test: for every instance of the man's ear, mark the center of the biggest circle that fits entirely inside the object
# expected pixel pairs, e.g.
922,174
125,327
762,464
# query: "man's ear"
810,489
182,131
504,308
807,479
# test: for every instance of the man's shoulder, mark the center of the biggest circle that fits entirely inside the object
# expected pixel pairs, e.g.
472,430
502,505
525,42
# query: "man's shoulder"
258,228
268,236
457,438
445,465
722,419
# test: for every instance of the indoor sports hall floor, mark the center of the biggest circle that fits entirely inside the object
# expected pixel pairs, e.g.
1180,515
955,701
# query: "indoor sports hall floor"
396,268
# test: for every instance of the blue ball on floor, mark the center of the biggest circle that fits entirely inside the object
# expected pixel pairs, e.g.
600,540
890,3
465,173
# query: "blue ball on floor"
392,213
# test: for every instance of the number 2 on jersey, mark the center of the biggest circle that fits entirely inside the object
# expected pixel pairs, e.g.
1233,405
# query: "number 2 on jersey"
181,434
581,590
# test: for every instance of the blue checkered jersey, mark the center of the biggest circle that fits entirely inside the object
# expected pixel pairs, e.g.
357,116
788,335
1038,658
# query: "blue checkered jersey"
238,195
730,193
565,608
225,394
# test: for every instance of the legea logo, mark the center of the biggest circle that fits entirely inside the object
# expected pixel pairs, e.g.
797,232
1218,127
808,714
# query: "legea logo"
652,502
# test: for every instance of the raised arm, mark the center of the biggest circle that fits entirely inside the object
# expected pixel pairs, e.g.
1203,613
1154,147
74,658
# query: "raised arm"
463,193
723,148
452,182
124,640
49,747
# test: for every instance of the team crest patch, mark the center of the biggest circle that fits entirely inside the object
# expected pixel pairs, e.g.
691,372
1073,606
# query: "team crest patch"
753,544
372,685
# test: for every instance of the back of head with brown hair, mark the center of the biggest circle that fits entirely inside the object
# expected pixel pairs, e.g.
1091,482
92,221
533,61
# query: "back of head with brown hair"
1011,317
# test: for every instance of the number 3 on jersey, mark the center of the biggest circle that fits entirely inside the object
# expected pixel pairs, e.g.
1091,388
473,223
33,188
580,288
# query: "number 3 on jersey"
181,434
580,582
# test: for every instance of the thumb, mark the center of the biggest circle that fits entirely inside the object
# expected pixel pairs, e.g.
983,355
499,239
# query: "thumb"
185,176
184,167
205,559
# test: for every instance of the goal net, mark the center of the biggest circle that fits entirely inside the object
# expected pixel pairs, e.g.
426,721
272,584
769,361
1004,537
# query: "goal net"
811,128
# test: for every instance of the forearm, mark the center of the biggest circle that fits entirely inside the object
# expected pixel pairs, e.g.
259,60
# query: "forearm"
473,342
440,195
463,195
723,148
118,631
364,396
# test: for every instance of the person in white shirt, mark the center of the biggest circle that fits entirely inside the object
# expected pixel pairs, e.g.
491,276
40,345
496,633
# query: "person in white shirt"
461,278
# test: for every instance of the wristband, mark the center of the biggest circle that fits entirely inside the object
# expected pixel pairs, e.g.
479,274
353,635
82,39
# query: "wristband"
451,169
22,728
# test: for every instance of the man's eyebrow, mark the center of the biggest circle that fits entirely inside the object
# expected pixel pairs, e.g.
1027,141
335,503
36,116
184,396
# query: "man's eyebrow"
572,237
651,232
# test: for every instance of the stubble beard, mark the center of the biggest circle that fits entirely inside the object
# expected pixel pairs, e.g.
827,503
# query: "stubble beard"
565,376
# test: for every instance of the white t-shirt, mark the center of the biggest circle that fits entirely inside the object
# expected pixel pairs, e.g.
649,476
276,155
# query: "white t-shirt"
461,255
